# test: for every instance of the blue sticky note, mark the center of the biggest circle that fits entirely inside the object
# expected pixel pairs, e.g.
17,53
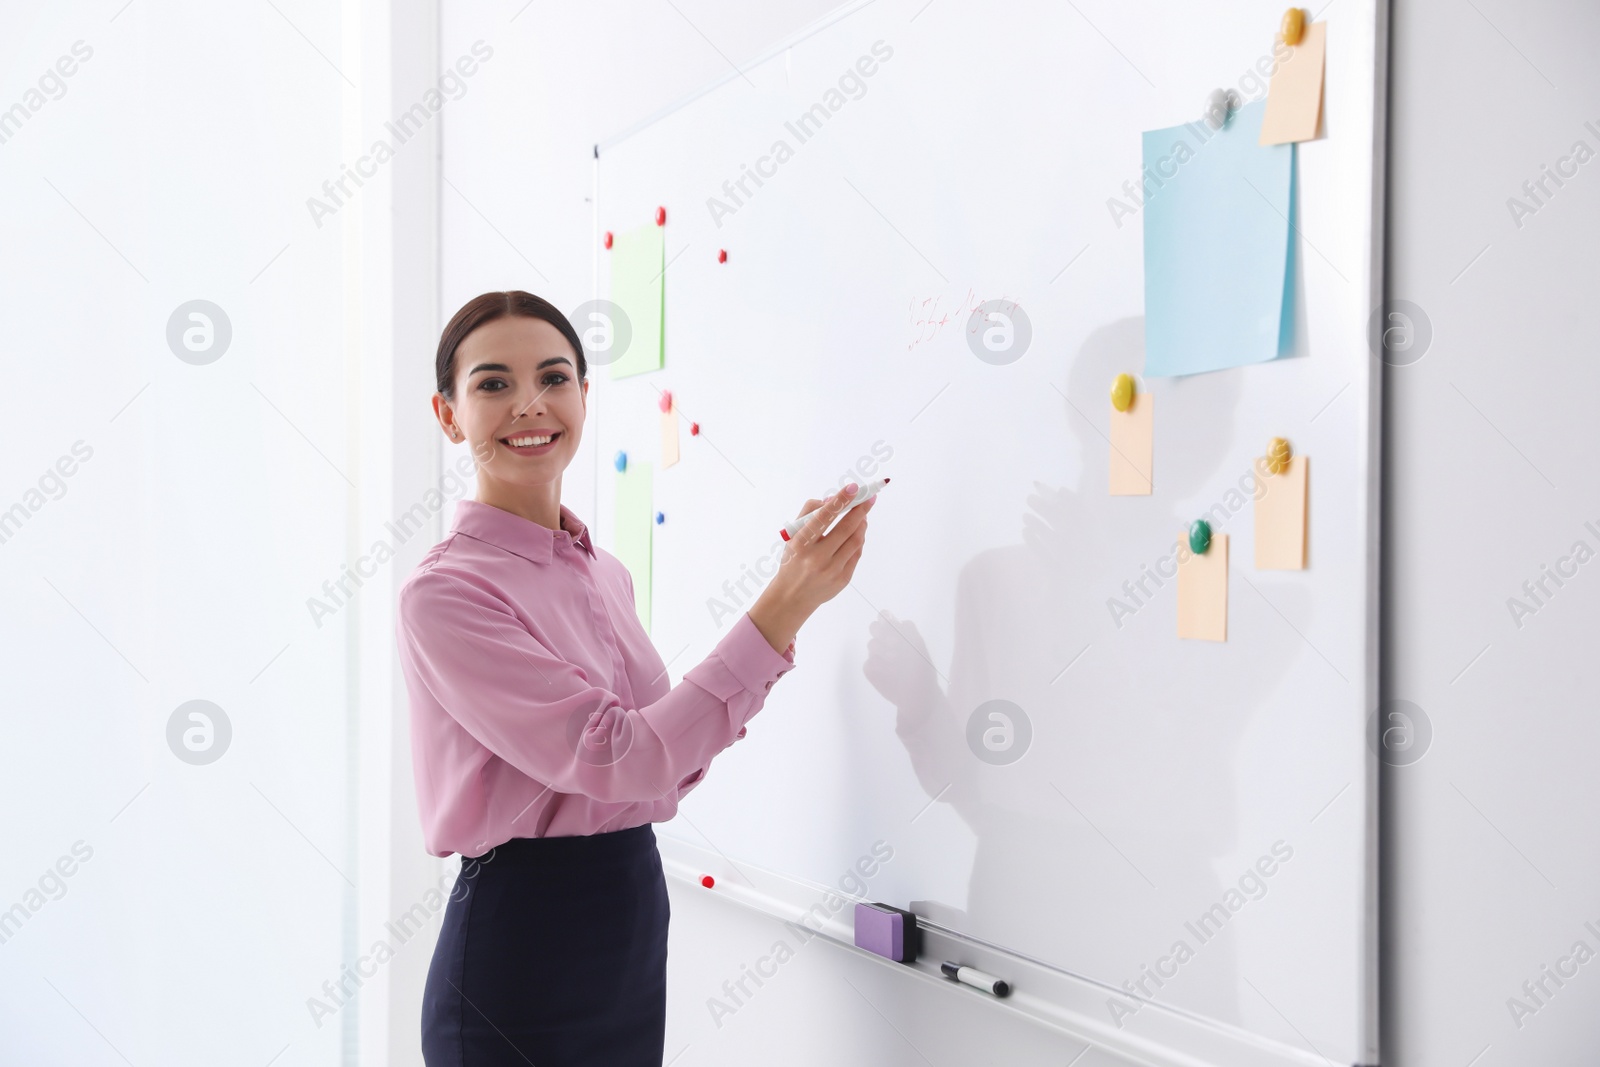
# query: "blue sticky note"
1216,246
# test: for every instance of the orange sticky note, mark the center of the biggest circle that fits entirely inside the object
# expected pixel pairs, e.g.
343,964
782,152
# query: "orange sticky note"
669,436
1281,519
1203,590
1294,99
1131,448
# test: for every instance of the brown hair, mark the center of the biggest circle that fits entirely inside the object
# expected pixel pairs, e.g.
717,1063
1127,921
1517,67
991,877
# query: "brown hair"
487,308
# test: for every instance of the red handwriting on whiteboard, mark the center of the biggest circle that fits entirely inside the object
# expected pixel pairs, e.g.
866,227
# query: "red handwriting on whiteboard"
930,316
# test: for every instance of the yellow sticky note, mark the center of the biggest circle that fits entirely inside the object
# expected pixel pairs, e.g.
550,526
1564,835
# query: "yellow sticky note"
1203,590
1132,450
669,437
1281,519
1294,99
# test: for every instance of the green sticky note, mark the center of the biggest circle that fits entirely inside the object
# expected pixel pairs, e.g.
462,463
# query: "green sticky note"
631,544
639,288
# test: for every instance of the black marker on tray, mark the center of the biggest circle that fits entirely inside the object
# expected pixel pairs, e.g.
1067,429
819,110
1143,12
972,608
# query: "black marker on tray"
977,979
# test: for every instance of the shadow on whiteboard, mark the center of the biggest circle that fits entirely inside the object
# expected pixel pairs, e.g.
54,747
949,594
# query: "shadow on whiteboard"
1109,839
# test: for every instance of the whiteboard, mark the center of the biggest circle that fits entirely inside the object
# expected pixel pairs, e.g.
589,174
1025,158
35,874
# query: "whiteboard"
977,162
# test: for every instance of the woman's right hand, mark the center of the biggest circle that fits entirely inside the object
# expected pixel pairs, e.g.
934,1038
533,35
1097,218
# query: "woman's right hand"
814,569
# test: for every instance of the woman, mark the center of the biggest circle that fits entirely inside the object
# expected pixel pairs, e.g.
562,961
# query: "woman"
545,736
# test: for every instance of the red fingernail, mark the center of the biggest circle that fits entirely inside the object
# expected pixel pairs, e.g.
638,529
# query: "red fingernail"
608,238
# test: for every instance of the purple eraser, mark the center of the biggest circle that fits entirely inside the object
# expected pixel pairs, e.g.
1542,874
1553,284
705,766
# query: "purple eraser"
887,931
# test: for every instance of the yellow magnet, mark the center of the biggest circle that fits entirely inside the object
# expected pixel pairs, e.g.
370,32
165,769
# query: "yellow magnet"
1278,455
1122,392
1293,26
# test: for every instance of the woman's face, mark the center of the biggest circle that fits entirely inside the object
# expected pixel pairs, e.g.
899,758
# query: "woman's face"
518,401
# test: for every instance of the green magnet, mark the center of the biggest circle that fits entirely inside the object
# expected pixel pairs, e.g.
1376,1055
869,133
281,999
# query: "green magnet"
1199,536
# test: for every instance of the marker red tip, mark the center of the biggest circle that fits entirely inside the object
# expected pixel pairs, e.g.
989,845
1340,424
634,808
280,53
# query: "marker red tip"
722,255
694,429
864,494
661,216
608,240
707,881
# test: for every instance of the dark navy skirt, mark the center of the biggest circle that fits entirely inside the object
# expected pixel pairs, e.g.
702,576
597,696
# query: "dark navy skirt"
553,952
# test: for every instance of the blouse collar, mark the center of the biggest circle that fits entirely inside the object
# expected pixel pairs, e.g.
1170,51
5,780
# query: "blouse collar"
515,534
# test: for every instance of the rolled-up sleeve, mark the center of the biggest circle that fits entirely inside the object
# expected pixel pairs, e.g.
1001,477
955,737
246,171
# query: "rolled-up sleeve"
540,713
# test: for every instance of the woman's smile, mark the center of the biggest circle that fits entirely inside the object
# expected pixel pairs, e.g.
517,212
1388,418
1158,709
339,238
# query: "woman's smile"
531,442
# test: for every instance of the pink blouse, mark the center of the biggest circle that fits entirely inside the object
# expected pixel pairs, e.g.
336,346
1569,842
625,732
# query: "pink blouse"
539,707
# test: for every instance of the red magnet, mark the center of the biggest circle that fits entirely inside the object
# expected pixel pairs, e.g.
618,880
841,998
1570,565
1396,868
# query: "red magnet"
694,429
722,255
707,881
665,403
608,240
661,216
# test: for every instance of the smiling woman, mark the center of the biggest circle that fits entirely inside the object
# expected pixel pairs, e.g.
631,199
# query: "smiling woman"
491,342
544,732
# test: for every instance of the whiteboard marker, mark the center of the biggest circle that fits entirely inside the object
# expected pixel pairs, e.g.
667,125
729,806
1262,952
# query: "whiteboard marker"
862,496
977,979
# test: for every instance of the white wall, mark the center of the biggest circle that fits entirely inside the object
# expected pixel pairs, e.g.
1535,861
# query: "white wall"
175,562
1492,866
